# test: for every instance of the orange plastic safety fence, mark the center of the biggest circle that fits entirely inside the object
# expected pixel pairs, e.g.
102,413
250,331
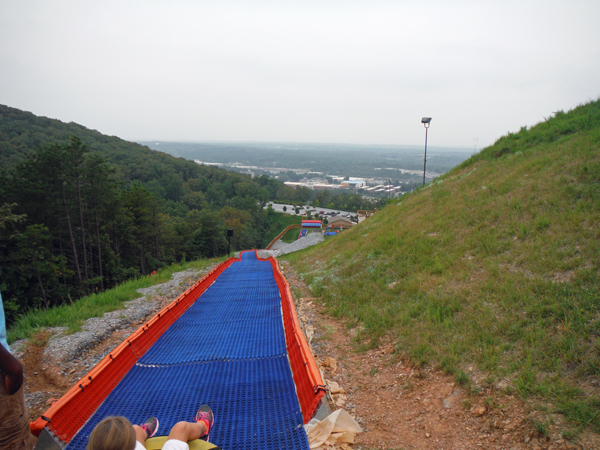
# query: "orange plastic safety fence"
70,413
309,384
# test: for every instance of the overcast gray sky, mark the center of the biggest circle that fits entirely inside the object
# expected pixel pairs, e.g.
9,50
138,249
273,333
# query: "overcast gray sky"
308,71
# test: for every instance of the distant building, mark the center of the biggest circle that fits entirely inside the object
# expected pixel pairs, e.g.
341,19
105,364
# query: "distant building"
314,186
353,183
324,186
203,163
340,222
294,184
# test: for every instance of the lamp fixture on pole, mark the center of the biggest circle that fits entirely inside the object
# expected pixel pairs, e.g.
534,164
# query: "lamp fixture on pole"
426,121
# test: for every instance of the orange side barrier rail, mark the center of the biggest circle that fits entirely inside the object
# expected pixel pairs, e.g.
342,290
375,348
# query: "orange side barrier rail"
65,417
307,378
280,235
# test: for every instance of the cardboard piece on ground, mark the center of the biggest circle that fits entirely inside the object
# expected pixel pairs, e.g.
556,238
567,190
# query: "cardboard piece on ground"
331,362
336,429
310,332
334,388
339,400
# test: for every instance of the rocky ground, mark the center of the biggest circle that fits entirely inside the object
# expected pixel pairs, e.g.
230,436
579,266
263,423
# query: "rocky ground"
398,404
281,248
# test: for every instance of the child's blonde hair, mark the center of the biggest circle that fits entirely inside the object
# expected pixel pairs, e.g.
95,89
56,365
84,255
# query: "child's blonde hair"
113,433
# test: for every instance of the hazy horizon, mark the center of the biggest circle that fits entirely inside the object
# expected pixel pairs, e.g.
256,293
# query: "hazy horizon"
340,144
266,71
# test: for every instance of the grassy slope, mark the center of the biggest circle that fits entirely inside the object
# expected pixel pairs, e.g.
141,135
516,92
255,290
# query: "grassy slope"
493,266
282,221
72,316
291,236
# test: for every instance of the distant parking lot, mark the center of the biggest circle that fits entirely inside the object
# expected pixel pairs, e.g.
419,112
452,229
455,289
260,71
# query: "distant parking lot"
278,207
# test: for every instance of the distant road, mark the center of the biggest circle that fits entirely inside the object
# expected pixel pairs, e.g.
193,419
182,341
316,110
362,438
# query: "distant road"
278,207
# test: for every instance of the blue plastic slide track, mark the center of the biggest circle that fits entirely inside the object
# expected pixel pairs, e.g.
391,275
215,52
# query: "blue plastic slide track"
227,350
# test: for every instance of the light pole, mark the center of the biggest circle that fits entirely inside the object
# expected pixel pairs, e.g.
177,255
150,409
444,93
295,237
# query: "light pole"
426,121
229,234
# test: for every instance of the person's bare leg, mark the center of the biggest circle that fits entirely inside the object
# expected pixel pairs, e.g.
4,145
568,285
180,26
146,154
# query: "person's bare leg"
140,434
146,430
187,431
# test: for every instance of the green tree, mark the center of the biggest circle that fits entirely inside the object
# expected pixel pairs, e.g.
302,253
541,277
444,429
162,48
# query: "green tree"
195,200
209,239
37,264
102,197
29,273
240,222
140,206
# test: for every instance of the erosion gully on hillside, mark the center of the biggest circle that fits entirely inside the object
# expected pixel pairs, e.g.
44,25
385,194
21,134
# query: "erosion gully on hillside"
399,405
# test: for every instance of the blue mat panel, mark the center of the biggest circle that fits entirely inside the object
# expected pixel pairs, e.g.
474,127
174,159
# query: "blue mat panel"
228,351
254,401
233,319
218,341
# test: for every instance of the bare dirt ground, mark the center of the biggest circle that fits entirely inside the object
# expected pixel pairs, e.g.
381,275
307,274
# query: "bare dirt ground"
398,404
44,385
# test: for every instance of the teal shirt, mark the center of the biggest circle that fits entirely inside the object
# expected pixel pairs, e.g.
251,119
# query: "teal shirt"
3,326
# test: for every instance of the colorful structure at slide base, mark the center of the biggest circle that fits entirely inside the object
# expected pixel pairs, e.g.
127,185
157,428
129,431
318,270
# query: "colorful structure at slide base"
225,342
311,224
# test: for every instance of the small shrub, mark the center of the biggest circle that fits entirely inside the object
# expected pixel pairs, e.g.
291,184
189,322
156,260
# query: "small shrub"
461,377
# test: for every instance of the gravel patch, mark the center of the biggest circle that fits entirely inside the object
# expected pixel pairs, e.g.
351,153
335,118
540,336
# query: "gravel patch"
278,245
268,253
17,348
62,348
302,243
281,248
36,399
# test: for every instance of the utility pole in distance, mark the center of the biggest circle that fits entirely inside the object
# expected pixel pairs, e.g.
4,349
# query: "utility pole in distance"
229,234
426,121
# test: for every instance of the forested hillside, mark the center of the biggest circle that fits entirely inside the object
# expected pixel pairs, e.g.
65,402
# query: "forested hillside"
22,133
81,212
76,219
